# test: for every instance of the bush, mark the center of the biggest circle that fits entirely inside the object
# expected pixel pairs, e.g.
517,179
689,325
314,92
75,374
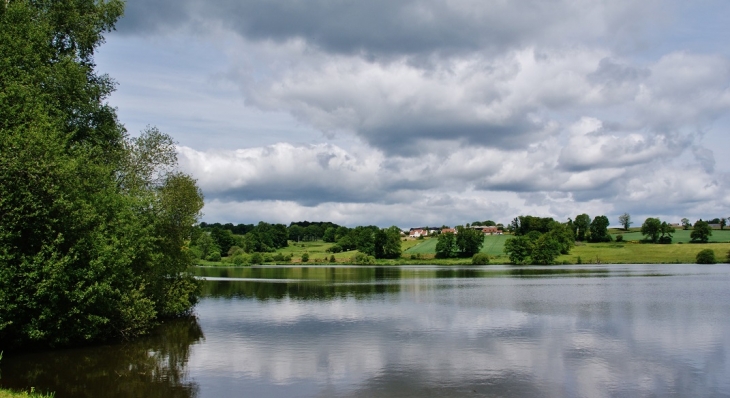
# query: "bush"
335,248
239,259
706,256
305,257
332,258
281,257
363,259
268,258
257,258
215,256
234,250
665,240
480,259
619,238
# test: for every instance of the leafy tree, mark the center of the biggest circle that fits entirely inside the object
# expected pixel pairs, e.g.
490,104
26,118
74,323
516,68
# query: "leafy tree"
723,223
468,241
564,236
446,245
525,224
652,229
545,250
599,229
296,232
387,243
223,239
686,224
95,232
625,220
518,249
582,223
666,231
701,232
329,234
706,256
364,238
207,245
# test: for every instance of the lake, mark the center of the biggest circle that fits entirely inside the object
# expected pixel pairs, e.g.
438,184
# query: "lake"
419,331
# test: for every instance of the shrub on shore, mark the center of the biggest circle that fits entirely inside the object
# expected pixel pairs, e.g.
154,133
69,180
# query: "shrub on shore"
480,259
706,256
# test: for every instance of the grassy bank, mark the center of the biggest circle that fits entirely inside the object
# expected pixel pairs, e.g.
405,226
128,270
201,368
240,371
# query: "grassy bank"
15,394
422,251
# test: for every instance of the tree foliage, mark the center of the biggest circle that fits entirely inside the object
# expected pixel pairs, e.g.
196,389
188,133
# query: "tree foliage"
657,231
581,224
651,229
540,248
446,245
701,232
706,256
468,241
599,229
625,221
387,243
95,226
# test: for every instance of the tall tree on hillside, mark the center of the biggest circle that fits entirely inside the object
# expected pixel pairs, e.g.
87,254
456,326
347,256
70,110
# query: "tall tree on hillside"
651,229
701,232
625,220
582,223
599,229
446,245
469,241
387,243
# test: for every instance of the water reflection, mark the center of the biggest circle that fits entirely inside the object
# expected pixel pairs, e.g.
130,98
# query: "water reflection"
423,332
155,366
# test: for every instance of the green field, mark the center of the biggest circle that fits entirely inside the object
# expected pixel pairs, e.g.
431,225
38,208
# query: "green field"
632,251
642,253
678,236
493,245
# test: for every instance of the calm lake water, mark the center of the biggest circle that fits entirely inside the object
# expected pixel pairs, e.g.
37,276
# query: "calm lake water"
580,331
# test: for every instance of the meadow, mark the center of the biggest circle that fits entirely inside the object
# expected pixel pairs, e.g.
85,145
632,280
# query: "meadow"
420,251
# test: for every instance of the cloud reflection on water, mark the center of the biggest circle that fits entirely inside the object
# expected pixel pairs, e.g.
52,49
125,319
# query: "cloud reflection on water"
504,336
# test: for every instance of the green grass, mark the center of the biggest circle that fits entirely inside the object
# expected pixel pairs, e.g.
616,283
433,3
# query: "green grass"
22,394
679,235
423,251
642,253
493,245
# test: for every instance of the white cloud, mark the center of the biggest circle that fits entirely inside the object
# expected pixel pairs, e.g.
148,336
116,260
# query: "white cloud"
291,111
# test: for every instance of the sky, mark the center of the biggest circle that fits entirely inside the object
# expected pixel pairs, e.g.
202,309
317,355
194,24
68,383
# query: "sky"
433,112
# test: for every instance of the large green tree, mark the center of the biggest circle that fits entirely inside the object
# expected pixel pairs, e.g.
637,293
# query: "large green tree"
94,226
387,243
701,232
652,229
469,241
446,245
599,229
581,224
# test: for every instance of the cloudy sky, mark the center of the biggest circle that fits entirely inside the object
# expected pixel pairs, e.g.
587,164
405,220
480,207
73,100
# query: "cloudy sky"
431,112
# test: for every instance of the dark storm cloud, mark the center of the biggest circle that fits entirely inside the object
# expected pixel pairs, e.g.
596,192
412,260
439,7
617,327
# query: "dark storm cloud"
383,27
404,137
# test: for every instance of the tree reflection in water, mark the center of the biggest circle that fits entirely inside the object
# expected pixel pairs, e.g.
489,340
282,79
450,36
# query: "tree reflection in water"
155,366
